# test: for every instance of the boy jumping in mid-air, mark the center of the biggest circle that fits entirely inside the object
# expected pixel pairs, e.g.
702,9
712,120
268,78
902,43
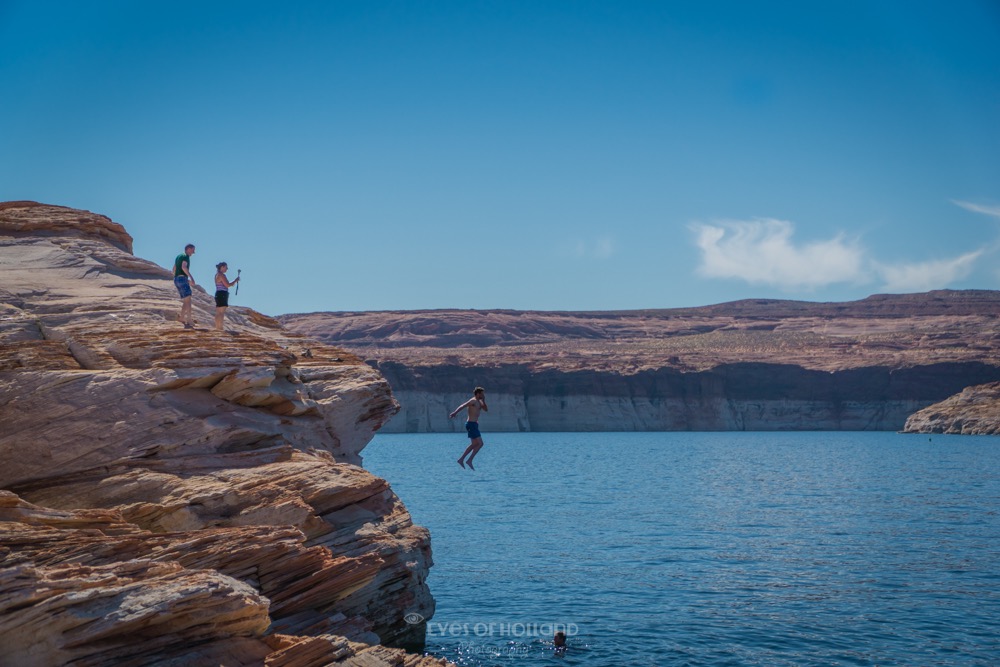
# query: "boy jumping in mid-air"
476,404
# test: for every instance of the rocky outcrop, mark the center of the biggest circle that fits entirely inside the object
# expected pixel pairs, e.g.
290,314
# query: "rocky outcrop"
748,365
973,411
184,497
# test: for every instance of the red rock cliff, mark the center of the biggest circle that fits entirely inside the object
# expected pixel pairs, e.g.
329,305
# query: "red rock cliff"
171,496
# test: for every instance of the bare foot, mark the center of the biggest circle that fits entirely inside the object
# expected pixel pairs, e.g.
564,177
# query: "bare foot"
469,463
460,463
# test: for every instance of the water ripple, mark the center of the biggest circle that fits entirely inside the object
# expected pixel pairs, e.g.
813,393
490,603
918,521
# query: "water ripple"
708,549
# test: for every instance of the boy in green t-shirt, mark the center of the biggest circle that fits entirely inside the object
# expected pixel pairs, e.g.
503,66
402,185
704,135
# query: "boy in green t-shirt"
183,281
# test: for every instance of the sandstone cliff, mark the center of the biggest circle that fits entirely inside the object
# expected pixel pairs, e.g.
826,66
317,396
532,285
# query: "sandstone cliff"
973,411
184,497
747,365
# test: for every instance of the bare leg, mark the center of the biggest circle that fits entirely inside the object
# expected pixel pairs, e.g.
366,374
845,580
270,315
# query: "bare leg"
476,445
464,454
470,448
220,314
186,311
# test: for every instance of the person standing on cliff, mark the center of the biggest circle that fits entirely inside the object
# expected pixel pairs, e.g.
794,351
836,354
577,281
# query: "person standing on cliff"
183,281
476,404
222,285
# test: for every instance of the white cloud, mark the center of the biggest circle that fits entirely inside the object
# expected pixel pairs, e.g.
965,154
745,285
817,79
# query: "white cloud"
762,252
924,276
993,211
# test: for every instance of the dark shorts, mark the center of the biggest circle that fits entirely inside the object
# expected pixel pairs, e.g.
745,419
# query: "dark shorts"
473,429
183,286
221,299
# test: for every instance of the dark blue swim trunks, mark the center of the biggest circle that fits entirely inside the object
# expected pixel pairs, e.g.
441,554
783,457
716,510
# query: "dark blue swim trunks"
473,429
183,287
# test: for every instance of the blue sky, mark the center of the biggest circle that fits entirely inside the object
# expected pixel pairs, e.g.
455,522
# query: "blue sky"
533,155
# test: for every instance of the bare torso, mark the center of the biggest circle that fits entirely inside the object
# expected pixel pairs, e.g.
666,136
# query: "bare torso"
474,409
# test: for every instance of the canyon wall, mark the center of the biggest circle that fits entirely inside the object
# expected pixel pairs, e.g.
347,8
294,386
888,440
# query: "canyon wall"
749,365
737,397
172,496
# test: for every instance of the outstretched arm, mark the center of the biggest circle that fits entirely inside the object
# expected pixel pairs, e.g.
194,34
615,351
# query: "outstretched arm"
463,405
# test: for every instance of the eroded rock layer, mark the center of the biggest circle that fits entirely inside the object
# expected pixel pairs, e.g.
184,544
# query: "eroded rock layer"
177,496
973,411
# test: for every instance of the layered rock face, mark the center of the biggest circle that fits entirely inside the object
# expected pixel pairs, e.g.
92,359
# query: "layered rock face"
731,397
973,411
175,496
748,365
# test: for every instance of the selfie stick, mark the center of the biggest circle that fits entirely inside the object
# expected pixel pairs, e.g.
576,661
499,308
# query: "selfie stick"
237,278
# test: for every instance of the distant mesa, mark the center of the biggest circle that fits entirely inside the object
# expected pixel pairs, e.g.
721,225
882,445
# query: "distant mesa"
755,364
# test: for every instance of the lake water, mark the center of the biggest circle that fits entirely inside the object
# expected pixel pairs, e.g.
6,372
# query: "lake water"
708,548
